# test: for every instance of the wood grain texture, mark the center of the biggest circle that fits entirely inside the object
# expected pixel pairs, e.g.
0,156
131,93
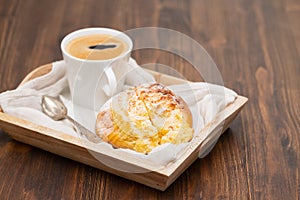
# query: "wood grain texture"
256,46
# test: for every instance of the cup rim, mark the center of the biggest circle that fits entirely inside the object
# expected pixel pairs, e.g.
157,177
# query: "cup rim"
107,30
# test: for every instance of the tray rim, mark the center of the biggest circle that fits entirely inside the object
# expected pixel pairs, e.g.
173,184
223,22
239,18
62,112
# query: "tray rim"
168,174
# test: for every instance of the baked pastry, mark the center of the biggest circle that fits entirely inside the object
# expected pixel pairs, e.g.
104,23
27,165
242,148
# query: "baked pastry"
144,117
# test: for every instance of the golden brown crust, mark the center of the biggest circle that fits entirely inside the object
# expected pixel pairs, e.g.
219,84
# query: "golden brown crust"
104,124
145,117
187,114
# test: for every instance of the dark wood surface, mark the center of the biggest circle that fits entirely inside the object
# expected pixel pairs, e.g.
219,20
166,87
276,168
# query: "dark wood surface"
256,45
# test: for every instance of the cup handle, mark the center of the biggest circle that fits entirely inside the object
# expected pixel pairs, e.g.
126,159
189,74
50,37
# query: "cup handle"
110,88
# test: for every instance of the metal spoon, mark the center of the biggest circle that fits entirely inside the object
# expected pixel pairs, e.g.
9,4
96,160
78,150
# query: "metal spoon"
54,108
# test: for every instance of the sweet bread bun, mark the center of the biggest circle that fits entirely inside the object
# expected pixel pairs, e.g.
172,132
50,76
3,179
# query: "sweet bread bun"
144,117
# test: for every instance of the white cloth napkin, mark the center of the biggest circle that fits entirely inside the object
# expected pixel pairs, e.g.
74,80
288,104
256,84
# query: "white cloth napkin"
25,101
204,100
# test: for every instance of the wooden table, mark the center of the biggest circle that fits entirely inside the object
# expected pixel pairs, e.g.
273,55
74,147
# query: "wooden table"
256,45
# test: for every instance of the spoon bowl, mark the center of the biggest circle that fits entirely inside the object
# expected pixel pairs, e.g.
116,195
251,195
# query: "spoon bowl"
54,108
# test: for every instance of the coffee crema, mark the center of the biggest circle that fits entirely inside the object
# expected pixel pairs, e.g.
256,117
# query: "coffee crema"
97,47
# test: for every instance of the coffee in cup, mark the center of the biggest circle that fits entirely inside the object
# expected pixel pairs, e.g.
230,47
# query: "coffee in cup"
97,47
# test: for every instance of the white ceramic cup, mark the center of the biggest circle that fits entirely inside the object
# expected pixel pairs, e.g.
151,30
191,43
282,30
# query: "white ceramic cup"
93,82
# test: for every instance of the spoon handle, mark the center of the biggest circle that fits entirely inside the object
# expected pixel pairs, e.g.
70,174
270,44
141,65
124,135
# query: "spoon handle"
84,131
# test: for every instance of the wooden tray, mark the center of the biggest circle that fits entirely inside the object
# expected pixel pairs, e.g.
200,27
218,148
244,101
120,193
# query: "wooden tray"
73,148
